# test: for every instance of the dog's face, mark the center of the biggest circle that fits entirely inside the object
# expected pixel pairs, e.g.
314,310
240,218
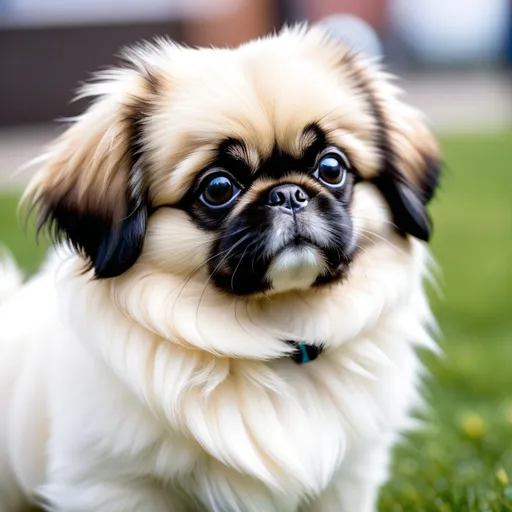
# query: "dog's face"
279,216
242,166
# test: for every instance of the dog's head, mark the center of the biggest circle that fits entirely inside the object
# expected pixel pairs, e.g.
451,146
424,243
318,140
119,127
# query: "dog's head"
243,163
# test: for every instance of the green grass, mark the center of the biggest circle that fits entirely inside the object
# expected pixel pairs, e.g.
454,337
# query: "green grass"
19,236
462,460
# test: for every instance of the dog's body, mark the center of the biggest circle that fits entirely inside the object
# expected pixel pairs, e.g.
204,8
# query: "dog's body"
153,388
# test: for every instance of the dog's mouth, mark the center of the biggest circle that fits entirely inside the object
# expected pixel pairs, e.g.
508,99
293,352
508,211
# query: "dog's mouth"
297,265
288,255
307,259
297,241
300,240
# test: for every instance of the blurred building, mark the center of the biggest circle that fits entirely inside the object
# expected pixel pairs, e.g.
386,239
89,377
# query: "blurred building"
48,46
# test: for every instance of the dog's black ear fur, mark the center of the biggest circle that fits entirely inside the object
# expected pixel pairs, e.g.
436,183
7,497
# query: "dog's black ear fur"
111,245
410,166
92,190
409,212
407,201
410,163
119,247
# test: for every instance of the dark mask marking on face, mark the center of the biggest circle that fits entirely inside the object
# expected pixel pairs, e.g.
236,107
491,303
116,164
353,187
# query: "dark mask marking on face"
240,258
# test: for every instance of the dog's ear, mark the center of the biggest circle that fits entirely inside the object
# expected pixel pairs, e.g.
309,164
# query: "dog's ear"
409,156
91,190
410,166
410,159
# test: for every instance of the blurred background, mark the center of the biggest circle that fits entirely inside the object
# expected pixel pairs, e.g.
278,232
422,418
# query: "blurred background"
454,59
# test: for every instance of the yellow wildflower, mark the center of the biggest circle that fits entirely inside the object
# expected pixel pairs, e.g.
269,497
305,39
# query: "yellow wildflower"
502,477
473,426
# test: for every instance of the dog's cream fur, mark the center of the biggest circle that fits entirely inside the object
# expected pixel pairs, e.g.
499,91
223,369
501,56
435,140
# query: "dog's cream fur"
154,392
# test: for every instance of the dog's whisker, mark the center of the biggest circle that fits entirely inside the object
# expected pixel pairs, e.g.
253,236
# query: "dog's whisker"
189,276
231,249
380,220
237,267
368,234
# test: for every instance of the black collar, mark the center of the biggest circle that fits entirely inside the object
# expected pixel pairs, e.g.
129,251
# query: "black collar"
304,352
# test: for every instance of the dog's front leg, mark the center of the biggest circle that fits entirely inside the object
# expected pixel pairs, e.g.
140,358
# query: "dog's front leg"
355,487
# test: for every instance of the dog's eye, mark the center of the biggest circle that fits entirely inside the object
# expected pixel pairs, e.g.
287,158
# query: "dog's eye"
332,169
219,191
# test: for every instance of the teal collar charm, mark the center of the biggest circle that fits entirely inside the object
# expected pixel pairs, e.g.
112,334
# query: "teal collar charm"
304,353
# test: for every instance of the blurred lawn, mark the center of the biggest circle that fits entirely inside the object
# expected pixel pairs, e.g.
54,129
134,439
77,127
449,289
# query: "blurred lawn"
462,461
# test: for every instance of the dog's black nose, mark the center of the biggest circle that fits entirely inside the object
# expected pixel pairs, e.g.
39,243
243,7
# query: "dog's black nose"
288,197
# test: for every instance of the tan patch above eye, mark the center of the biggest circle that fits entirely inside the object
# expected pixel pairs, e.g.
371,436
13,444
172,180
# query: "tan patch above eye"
247,155
362,154
304,141
169,186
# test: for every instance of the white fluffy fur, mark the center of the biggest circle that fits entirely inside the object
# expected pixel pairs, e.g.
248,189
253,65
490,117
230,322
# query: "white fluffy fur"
109,409
296,268
151,392
10,276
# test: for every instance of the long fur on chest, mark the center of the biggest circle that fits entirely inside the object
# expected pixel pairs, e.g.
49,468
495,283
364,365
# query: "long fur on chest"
259,413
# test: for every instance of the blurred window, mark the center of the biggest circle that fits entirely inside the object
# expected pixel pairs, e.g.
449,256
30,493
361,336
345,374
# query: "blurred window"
452,30
25,13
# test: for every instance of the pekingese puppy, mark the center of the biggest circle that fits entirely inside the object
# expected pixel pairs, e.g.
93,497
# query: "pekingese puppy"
232,323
